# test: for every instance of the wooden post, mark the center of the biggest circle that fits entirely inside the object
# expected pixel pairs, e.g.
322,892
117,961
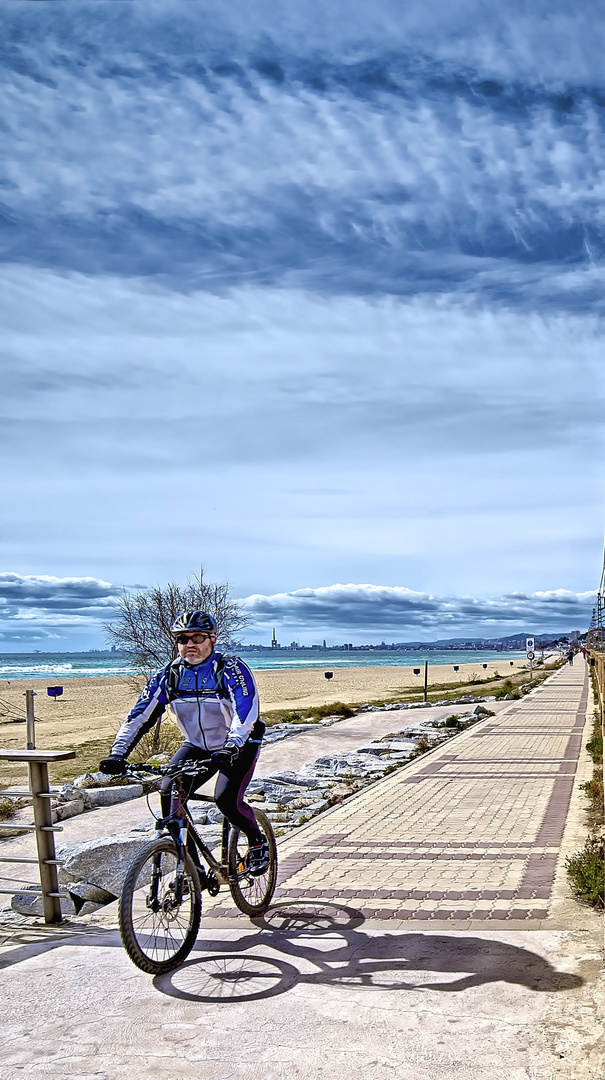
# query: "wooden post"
31,723
45,840
426,679
37,761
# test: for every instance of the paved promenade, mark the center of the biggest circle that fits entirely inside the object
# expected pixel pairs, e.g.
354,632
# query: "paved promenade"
422,930
468,833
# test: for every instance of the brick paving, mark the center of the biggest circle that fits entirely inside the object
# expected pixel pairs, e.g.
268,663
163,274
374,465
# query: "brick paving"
469,833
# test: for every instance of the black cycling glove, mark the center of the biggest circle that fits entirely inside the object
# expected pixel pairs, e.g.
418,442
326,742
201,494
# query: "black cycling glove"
114,765
226,755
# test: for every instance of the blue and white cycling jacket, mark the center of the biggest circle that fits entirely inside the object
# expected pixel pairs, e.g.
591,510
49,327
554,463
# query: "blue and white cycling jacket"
212,702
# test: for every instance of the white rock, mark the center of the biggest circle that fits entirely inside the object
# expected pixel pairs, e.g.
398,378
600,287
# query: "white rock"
68,792
305,781
211,834
283,775
29,902
146,826
100,862
94,779
88,908
68,810
110,796
84,891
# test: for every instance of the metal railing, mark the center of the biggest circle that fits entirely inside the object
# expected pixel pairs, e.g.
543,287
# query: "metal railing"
595,639
596,658
40,794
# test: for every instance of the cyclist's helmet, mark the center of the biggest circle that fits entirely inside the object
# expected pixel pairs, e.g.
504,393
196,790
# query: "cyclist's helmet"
194,620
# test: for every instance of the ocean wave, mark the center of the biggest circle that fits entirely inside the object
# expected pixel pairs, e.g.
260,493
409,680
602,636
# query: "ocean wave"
55,668
40,671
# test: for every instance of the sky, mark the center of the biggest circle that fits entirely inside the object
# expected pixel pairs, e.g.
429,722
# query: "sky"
311,295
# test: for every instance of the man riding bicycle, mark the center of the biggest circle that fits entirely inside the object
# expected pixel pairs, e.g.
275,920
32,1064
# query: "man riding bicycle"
215,700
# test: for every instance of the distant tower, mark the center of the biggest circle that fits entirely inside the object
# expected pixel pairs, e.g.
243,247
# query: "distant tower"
274,644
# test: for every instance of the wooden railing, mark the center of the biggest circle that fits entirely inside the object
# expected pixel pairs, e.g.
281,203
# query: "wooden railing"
595,654
40,794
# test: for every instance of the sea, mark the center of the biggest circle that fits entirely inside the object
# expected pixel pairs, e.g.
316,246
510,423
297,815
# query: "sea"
66,665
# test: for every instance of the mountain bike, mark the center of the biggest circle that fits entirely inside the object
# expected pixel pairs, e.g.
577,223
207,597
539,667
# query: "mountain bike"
161,902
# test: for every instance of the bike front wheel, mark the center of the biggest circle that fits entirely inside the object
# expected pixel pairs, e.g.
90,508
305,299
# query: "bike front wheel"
160,907
252,893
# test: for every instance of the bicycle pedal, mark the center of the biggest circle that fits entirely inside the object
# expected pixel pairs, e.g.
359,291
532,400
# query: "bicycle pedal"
213,885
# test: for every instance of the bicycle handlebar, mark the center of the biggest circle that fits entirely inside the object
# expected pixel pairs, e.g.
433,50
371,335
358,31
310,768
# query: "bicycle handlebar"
188,769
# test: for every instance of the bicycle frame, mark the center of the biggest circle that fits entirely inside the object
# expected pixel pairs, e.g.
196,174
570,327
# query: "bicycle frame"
180,826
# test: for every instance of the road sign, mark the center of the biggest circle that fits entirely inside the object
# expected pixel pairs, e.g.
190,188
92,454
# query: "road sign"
529,643
531,655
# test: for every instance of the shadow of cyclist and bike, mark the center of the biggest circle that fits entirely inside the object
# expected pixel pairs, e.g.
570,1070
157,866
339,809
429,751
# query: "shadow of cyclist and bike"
327,945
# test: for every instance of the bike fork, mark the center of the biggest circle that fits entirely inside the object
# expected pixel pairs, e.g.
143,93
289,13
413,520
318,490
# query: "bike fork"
225,843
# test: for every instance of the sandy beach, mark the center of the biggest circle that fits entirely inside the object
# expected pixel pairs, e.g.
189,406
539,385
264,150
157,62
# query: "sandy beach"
93,708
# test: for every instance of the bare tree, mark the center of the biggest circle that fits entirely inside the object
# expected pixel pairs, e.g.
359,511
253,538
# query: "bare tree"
142,625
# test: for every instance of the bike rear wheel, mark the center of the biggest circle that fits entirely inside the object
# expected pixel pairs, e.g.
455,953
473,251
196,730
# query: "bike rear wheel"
252,894
159,915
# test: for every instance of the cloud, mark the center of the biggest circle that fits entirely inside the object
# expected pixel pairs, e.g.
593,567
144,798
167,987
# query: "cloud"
41,608
293,374
279,436
208,157
365,613
309,292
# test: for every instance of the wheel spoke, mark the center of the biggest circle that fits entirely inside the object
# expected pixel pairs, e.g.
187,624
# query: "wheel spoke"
158,938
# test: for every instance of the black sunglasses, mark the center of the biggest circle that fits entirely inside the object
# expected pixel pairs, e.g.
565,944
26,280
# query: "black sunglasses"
197,639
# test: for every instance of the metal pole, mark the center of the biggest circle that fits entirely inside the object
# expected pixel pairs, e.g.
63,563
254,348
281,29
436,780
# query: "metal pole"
43,818
426,679
31,723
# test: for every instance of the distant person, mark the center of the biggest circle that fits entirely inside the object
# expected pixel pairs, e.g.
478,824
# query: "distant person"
570,656
215,700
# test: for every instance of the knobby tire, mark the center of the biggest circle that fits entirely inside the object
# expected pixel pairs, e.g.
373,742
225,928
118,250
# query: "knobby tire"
252,895
159,941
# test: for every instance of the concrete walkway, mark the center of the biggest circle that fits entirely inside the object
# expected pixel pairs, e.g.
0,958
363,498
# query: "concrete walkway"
423,929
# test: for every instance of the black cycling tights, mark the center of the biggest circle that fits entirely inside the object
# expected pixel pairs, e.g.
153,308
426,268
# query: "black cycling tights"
229,789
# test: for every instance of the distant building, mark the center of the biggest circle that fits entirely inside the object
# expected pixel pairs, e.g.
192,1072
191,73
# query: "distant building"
274,641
